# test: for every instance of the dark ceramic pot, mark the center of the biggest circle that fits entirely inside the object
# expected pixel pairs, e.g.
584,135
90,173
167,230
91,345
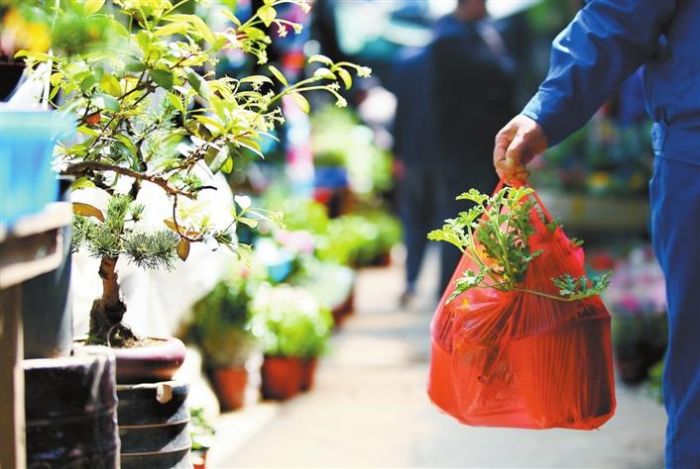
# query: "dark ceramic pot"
153,425
70,406
157,361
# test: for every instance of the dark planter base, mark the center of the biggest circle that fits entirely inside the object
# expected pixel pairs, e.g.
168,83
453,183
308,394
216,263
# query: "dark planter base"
281,377
153,420
70,406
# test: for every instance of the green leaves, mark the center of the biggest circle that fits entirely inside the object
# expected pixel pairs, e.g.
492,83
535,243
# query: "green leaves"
494,233
163,77
191,24
577,288
198,84
111,85
301,101
277,74
132,99
267,14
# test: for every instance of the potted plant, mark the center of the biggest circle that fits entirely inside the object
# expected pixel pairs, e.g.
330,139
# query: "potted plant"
201,432
637,298
221,327
151,112
134,101
294,330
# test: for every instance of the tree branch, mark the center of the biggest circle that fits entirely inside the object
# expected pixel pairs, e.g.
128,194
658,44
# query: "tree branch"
84,166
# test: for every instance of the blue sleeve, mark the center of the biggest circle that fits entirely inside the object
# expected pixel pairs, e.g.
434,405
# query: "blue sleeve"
598,50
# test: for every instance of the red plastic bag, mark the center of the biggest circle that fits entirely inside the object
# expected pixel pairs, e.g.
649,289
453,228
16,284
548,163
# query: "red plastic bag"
516,359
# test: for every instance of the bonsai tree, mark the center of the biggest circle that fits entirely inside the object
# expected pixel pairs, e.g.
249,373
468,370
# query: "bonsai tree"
150,110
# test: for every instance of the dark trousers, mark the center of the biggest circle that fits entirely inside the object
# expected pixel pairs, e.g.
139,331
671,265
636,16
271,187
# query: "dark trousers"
675,204
427,197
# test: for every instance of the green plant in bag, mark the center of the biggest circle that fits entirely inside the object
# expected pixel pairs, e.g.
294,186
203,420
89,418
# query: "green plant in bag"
494,234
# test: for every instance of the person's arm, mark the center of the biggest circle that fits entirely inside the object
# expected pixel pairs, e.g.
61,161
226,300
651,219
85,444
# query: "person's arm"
598,50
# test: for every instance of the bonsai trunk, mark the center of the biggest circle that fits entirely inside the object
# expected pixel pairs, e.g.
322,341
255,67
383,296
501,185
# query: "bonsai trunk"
106,315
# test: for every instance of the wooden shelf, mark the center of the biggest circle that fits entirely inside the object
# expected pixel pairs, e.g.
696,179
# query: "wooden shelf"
32,246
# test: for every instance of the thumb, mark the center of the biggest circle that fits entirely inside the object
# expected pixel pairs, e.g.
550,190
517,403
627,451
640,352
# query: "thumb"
502,143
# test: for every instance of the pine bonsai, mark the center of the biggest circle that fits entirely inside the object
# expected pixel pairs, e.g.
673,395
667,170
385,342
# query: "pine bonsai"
150,110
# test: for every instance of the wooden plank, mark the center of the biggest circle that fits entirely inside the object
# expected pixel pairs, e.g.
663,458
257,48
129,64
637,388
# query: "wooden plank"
55,215
25,258
12,439
33,245
30,247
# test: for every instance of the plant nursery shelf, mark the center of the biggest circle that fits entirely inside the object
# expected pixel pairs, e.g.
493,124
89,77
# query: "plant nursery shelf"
597,213
30,247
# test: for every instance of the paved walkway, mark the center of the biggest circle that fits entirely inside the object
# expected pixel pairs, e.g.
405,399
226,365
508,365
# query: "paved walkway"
370,409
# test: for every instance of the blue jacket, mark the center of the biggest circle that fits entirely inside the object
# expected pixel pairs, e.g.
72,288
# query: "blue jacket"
603,45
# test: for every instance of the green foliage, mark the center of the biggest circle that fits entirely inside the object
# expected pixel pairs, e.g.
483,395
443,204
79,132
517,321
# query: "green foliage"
221,322
116,234
290,322
201,429
655,385
359,238
340,140
150,110
299,213
494,233
576,288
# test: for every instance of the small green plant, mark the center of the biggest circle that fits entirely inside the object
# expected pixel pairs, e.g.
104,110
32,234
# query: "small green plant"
201,430
222,322
494,234
151,111
290,322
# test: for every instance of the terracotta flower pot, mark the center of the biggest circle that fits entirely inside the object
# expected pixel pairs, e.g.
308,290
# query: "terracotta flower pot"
157,360
230,385
281,377
343,310
309,373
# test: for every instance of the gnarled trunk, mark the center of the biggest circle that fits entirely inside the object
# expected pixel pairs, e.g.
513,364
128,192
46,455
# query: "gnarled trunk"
106,315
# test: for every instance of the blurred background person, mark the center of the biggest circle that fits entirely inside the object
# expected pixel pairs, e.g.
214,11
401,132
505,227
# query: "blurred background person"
453,96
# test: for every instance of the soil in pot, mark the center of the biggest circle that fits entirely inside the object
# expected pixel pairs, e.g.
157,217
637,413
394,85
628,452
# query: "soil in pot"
153,425
309,373
281,377
71,411
152,360
230,385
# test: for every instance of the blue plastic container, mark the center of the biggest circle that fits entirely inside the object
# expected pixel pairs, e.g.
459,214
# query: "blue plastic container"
331,177
27,140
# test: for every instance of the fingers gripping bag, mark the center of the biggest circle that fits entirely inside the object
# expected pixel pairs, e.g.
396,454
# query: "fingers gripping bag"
520,337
